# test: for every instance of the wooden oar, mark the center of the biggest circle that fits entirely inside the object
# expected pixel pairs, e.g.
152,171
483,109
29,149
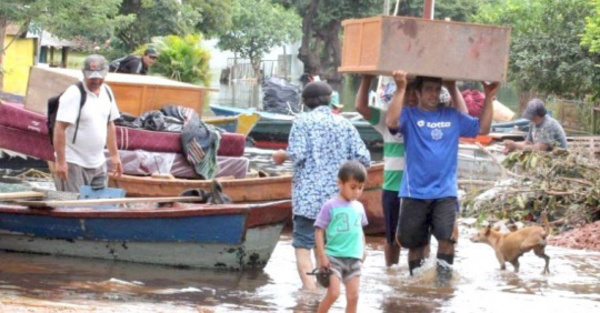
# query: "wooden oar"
8,196
88,202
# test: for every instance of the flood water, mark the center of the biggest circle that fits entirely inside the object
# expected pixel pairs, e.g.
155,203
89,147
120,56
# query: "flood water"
34,283
244,94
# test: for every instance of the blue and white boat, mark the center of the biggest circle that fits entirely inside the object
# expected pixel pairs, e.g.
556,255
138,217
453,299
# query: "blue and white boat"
227,236
273,129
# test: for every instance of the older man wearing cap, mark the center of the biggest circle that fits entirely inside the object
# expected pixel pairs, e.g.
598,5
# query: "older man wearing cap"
545,133
133,64
82,132
320,141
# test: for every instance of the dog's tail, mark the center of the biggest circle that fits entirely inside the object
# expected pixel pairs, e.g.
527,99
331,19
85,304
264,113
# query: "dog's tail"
545,222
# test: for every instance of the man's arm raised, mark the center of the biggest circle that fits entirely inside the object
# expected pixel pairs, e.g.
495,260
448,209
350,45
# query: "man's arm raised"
362,97
393,115
485,120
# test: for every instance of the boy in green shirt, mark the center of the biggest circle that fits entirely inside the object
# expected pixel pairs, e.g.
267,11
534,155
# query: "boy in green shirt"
340,223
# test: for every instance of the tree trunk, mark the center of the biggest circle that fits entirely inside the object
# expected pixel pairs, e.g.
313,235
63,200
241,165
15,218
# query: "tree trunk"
335,50
331,58
255,61
3,24
307,57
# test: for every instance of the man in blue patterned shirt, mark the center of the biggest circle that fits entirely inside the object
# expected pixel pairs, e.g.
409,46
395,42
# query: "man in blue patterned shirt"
319,143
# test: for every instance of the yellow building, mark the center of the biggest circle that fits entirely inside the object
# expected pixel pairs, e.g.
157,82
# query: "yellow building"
18,58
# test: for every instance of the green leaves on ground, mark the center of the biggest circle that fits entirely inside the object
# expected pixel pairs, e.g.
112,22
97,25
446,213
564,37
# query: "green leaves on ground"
564,183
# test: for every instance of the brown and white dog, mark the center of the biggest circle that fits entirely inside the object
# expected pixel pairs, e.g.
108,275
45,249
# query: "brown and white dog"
510,246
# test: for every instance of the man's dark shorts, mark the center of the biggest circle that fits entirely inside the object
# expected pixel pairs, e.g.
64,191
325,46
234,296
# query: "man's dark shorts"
303,233
391,213
421,218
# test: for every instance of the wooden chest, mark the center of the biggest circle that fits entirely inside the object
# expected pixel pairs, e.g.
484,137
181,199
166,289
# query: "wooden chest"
451,50
135,94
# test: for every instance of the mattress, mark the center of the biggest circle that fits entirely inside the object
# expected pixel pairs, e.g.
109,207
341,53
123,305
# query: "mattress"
139,162
232,144
32,136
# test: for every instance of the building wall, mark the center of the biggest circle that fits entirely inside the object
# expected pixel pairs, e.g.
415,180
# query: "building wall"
17,61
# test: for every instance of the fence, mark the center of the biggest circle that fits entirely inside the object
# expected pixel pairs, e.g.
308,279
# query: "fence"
576,117
241,69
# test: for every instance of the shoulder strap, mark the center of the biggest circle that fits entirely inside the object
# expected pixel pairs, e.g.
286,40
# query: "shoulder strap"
110,97
82,100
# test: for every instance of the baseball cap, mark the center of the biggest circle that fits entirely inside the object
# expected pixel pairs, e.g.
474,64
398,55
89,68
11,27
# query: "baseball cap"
151,52
95,66
535,107
316,89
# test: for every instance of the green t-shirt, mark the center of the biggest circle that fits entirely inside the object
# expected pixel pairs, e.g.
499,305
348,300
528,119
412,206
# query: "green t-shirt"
393,151
343,223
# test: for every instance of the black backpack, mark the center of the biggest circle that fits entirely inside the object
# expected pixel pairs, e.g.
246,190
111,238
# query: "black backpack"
53,104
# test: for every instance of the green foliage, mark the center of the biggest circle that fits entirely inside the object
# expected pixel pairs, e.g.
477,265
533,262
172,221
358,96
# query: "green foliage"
215,16
591,36
90,19
169,17
259,26
456,10
330,11
546,54
182,59
152,18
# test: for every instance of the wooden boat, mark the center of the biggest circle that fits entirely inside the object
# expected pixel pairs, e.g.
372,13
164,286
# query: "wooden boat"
520,125
252,190
273,129
476,164
135,94
228,236
242,123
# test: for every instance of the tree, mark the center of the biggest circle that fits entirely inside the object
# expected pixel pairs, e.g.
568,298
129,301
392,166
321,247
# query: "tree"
182,59
258,26
545,53
321,28
170,17
215,16
591,36
321,25
64,18
456,10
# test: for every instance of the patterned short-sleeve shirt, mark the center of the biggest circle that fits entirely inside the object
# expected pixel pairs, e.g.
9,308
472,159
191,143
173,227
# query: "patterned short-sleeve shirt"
549,132
319,143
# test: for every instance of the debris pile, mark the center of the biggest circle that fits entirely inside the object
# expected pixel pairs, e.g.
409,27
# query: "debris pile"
586,237
564,183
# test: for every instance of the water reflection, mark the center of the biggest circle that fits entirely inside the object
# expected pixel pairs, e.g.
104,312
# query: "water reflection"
477,286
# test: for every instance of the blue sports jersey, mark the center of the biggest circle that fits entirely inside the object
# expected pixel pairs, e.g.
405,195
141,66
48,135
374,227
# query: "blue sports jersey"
431,141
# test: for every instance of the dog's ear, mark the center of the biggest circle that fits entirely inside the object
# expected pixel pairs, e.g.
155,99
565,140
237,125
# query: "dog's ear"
488,229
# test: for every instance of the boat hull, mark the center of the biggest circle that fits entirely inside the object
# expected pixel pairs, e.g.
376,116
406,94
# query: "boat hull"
254,252
273,129
241,123
200,236
251,190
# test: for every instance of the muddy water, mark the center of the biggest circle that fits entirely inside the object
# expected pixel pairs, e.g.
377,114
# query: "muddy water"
32,283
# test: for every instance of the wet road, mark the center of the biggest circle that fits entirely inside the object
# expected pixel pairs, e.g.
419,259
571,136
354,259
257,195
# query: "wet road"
33,283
